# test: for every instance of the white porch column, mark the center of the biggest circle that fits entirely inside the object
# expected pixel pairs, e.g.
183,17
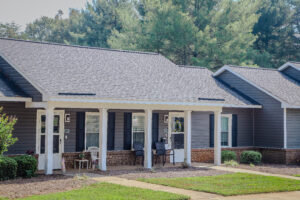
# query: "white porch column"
49,140
103,139
217,138
187,136
148,139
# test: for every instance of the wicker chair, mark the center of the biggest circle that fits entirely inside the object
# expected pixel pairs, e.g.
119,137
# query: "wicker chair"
138,151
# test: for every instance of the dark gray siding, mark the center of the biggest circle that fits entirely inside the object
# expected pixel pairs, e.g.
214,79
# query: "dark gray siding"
245,125
200,130
21,82
292,72
24,129
268,121
293,128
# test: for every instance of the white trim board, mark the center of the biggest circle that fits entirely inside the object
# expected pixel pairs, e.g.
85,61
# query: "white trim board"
227,68
16,99
286,65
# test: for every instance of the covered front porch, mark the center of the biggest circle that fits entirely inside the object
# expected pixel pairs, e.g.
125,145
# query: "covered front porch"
114,127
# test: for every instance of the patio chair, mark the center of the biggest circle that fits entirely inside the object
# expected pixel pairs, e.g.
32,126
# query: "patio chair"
161,151
138,151
94,155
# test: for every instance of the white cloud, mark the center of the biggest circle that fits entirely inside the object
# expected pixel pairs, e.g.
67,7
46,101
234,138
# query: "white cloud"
23,12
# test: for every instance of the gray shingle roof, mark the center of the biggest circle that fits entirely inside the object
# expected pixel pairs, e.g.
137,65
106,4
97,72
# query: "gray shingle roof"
7,89
272,81
113,74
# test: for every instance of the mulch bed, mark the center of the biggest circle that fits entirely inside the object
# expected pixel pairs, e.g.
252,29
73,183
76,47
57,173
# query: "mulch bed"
274,168
162,172
41,184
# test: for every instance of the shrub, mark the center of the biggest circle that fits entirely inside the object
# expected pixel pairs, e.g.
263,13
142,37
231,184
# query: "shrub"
27,166
231,163
249,157
8,168
228,156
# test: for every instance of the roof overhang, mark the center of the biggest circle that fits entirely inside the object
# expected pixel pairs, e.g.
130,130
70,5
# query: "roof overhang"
15,99
286,65
146,102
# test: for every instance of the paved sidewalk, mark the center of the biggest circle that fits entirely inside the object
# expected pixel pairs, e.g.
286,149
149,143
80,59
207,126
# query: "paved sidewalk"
231,169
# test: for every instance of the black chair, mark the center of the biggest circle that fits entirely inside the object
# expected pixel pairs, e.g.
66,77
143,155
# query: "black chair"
138,151
161,151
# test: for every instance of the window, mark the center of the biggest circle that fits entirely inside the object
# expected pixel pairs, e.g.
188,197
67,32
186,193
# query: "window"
92,130
138,127
56,121
226,121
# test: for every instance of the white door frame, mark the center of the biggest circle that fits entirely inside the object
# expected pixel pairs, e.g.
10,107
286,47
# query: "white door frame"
41,164
179,153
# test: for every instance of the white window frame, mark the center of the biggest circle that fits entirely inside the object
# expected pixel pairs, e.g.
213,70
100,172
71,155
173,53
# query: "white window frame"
85,127
136,114
229,116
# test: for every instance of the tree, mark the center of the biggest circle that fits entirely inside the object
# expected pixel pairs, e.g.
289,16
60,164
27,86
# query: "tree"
6,127
10,30
228,38
276,31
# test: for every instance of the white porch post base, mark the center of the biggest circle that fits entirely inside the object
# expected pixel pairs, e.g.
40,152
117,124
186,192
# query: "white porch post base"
148,139
187,136
217,138
49,140
103,139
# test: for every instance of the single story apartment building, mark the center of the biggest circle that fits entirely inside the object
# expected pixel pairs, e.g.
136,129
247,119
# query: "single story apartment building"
68,98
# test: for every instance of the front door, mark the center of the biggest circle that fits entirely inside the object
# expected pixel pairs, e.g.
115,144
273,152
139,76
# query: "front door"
176,135
58,139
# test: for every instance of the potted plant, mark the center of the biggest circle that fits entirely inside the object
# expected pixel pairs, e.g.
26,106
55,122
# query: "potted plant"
81,156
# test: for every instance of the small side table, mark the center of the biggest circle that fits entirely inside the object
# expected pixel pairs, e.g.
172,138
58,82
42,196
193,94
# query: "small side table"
80,163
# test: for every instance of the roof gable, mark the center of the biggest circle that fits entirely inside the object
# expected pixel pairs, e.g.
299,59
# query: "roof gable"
269,81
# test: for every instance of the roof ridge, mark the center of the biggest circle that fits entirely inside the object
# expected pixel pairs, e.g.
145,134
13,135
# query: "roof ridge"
79,46
192,66
297,62
257,68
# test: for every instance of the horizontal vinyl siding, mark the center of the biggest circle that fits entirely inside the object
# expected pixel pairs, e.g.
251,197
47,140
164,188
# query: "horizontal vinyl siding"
292,72
245,125
21,82
24,129
293,128
268,121
200,130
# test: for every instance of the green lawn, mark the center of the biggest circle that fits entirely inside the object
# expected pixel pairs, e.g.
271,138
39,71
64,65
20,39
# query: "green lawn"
230,184
297,175
107,191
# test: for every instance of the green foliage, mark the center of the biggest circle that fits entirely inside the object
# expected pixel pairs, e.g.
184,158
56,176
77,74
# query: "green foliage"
6,127
8,168
209,33
27,165
231,163
249,157
228,155
230,184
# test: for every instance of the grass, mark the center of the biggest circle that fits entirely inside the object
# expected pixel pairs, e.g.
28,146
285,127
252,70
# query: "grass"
107,191
296,175
230,184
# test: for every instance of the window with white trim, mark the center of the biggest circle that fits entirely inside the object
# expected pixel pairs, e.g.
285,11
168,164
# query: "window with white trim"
226,132
138,128
91,130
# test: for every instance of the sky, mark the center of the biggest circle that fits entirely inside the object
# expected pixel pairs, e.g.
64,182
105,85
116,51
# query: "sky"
23,12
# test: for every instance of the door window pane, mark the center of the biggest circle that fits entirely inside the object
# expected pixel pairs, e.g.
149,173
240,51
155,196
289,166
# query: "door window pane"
138,128
177,124
42,144
55,143
56,124
92,140
43,124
